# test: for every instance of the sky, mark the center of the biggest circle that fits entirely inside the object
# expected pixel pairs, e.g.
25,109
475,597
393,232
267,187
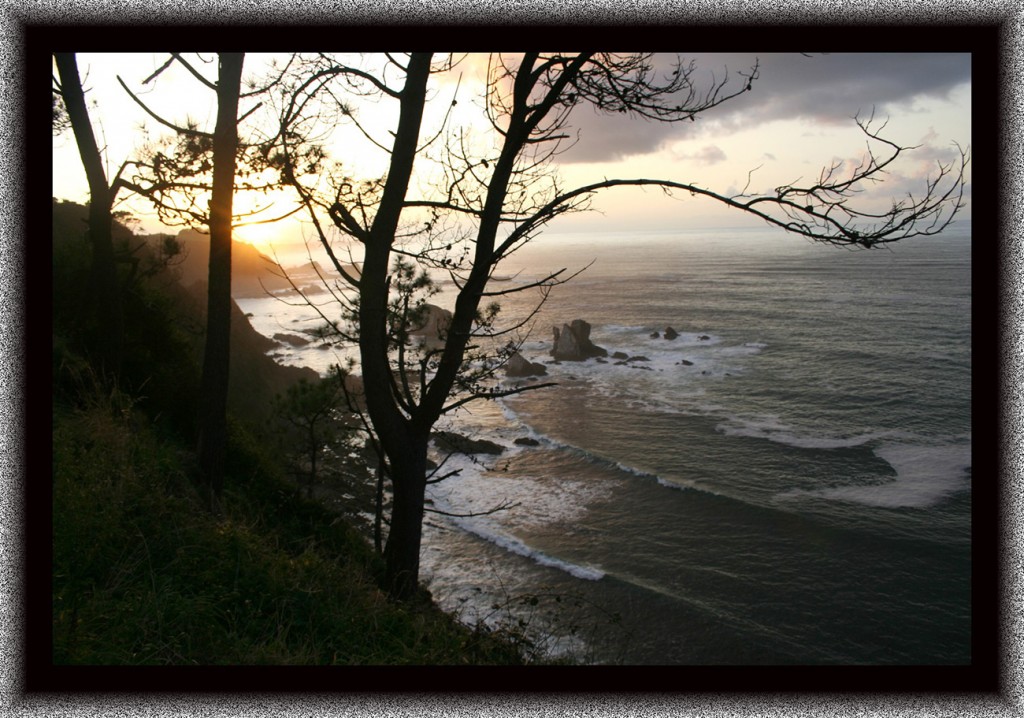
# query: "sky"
798,118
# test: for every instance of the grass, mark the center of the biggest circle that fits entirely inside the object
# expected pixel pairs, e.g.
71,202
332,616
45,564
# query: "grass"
143,574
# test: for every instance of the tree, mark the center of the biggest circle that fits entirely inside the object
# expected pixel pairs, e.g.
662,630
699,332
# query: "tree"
74,112
311,420
213,398
473,204
176,177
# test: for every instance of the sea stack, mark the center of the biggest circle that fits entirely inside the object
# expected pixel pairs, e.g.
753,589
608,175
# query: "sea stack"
434,322
518,365
572,342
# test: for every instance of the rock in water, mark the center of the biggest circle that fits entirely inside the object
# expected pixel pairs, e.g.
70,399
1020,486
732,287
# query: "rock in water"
456,443
434,322
564,344
518,365
293,339
572,342
671,333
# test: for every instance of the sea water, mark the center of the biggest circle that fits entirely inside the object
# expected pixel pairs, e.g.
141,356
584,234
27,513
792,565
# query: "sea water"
786,482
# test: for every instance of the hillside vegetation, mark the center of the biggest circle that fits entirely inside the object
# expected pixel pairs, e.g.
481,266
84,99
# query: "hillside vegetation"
143,573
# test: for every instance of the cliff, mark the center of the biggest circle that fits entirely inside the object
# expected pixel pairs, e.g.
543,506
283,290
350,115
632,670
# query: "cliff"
253,274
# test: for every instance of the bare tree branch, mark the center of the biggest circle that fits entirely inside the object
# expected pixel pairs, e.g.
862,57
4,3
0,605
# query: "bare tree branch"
166,123
195,73
159,70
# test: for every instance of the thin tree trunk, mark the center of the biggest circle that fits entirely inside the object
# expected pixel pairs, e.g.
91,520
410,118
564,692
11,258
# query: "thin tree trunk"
212,442
378,513
108,313
313,451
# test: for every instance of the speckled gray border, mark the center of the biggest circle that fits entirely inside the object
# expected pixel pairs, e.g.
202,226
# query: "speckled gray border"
13,390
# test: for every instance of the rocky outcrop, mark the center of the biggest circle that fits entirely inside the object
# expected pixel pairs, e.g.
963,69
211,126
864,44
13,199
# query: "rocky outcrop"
253,274
435,322
451,442
670,333
526,441
519,366
572,342
627,359
294,339
628,362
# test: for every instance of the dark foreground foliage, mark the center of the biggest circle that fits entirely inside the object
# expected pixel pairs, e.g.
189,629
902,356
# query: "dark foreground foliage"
144,573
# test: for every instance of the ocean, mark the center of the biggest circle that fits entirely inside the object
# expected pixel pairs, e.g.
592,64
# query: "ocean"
787,482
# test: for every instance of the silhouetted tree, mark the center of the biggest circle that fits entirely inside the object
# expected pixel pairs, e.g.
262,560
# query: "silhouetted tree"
485,200
191,180
72,111
213,398
204,154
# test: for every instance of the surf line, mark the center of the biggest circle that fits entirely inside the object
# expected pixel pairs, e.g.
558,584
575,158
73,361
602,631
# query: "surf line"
517,547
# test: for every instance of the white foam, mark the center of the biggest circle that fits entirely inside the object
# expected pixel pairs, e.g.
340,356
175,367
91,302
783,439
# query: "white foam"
690,485
516,546
491,531
535,501
771,428
925,475
670,377
670,483
521,429
538,500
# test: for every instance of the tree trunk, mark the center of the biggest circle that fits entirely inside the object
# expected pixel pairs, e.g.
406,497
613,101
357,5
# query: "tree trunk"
404,444
108,313
212,442
402,552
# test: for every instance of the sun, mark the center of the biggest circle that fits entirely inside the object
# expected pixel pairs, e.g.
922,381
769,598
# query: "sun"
261,236
255,225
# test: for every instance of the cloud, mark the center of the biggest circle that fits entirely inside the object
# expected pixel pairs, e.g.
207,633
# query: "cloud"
826,89
707,155
832,88
609,138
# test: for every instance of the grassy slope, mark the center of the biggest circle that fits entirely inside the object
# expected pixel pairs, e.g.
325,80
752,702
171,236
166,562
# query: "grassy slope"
142,574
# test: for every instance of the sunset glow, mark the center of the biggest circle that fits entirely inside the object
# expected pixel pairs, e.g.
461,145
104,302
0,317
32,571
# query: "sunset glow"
762,138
